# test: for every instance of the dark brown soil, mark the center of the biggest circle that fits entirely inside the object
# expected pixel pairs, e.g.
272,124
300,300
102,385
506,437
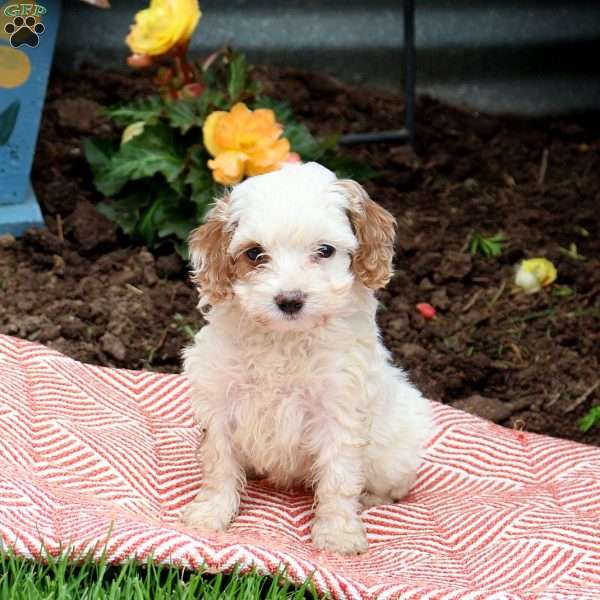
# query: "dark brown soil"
525,361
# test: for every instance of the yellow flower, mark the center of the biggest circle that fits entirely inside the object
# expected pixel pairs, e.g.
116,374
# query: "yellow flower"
244,142
534,274
162,26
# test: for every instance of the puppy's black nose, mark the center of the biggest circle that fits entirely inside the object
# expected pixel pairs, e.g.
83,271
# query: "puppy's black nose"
290,302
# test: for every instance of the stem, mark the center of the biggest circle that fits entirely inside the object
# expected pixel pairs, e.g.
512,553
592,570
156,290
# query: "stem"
183,68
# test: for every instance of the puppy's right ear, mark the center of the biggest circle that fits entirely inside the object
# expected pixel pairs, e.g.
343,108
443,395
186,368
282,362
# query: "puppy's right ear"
375,230
212,265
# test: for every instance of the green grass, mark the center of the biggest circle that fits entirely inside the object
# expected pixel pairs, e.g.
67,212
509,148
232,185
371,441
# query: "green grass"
64,579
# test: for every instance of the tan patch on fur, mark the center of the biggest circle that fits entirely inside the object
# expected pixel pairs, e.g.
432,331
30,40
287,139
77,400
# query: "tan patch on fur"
213,266
243,265
375,229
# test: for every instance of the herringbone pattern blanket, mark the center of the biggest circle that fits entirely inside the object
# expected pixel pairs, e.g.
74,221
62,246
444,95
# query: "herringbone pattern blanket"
104,459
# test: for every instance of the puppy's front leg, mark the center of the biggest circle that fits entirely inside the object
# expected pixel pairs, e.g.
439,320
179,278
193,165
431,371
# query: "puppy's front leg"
219,499
339,481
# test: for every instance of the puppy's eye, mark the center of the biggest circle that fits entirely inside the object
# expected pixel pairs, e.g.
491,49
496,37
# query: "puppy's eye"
254,254
325,251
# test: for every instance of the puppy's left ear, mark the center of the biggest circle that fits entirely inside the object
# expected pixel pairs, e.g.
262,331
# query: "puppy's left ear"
375,229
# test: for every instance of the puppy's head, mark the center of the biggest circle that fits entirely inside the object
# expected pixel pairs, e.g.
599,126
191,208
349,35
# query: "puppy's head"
290,246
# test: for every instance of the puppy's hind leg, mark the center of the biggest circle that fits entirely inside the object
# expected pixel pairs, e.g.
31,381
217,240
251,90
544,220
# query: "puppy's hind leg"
379,491
396,446
386,488
368,500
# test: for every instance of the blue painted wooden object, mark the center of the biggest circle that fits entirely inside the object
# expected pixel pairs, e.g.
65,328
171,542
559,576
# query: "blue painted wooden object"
24,70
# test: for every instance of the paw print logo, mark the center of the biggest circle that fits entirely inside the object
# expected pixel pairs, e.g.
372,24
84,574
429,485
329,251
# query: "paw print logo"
24,32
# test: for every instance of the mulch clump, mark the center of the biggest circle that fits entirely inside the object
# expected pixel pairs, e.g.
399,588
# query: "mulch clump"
530,362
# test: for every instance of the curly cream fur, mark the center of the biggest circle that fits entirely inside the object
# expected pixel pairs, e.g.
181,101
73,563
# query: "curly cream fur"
310,398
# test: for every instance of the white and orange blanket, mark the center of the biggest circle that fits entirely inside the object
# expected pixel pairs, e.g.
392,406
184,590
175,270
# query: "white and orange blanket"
105,459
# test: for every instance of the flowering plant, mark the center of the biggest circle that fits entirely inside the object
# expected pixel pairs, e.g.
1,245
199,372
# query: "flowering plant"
208,126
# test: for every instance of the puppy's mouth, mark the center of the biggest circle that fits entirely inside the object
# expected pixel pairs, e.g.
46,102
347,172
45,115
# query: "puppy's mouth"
295,321
294,317
281,322
298,322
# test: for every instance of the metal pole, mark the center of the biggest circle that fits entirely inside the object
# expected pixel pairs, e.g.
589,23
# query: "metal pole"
406,133
410,61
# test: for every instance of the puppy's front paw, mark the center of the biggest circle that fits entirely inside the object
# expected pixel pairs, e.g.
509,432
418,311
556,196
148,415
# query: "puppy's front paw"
340,535
209,512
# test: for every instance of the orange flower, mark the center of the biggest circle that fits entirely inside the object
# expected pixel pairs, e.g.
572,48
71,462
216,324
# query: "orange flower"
244,142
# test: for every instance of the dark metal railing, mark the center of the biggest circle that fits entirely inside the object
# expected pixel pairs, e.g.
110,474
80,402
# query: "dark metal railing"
409,59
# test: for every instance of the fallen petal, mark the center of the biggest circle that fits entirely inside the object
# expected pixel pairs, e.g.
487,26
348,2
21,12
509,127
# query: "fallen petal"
427,311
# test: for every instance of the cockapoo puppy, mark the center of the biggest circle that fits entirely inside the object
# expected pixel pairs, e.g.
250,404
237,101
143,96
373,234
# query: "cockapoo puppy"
290,377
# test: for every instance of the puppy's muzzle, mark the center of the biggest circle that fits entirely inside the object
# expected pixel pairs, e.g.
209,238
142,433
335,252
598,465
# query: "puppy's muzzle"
290,303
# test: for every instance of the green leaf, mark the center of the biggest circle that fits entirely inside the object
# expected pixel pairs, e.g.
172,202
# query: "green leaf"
282,110
591,419
199,178
179,227
170,220
181,248
211,100
488,246
227,72
151,216
146,228
8,120
330,142
126,212
183,114
168,216
203,200
302,141
310,148
148,109
153,151
99,152
347,168
238,76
